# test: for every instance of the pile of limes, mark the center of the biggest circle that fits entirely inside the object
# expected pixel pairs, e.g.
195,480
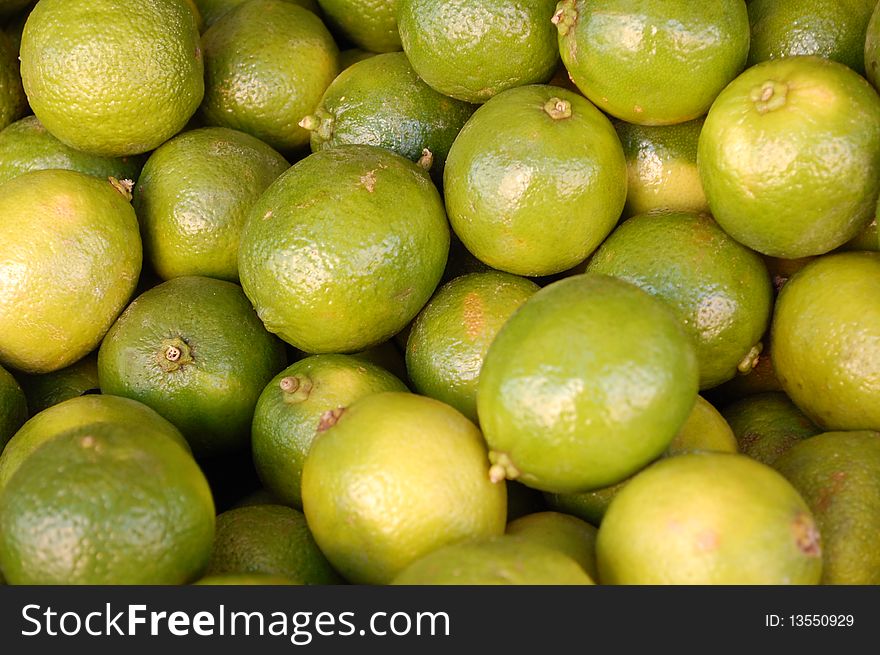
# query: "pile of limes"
439,292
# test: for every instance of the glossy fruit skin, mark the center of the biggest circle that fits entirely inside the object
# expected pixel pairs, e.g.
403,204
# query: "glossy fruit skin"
13,407
719,289
825,336
542,192
474,49
213,10
838,474
501,561
396,477
563,532
833,29
709,518
194,195
112,77
450,337
344,249
286,419
267,63
381,101
771,180
13,102
154,523
650,62
225,357
268,540
585,384
369,24
72,256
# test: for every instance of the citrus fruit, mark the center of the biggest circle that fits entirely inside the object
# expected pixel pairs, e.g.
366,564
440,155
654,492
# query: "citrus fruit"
386,355
369,24
294,405
259,497
826,341
709,518
106,504
267,63
352,56
833,29
661,164
767,425
473,49
27,146
451,335
212,10
394,478
653,62
13,407
13,102
71,257
194,350
585,384
78,379
872,49
867,239
382,102
761,379
75,413
771,178
568,534
194,195
838,474
344,249
243,579
548,186
268,540
719,290
500,561
112,77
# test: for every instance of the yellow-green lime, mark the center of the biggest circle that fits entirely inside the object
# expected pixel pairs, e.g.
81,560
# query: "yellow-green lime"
872,49
13,102
193,197
267,63
452,334
393,477
212,10
719,290
770,177
294,405
838,474
112,77
653,62
474,49
13,407
44,391
268,540
106,504
193,349
369,24
344,249
71,257
709,518
563,532
501,561
585,384
544,191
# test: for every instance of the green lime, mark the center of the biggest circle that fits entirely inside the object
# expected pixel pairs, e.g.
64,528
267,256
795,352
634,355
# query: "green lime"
393,477
769,133
112,77
838,474
833,29
661,164
369,24
259,497
474,49
44,391
13,102
268,540
13,407
653,62
386,355
344,249
106,504
352,56
296,403
872,49
267,63
568,534
499,561
194,350
544,191
826,341
194,195
867,239
719,290
382,102
71,257
452,334
243,579
709,518
212,10
585,384
760,379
